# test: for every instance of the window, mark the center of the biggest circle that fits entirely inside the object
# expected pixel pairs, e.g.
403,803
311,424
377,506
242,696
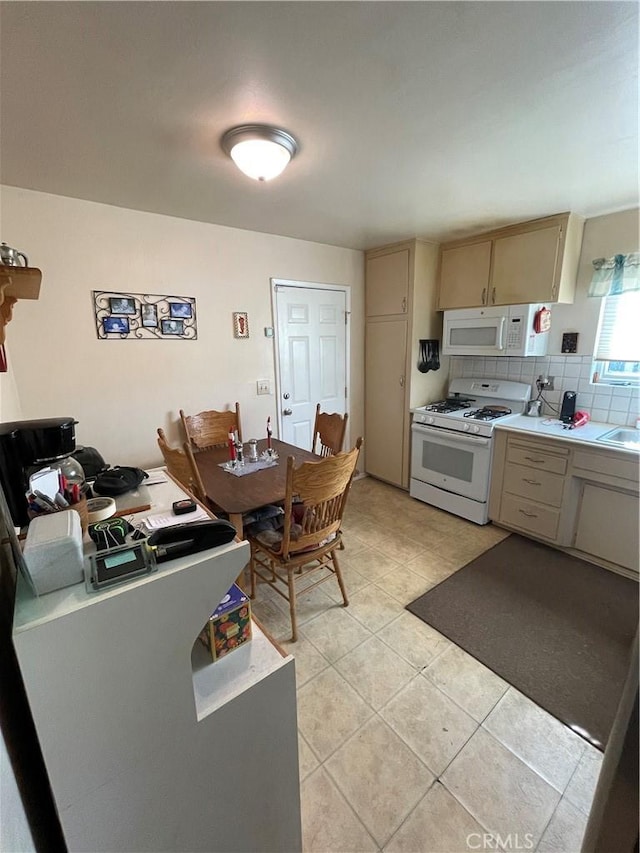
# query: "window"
617,355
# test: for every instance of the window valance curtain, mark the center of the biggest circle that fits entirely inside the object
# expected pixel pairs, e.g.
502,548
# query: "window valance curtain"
616,275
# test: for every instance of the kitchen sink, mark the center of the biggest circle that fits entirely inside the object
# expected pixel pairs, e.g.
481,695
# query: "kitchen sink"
629,438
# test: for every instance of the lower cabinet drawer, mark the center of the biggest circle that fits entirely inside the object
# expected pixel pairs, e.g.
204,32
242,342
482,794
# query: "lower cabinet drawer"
527,515
532,457
537,485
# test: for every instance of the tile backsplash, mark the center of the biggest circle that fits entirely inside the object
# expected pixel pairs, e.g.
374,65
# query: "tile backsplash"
612,404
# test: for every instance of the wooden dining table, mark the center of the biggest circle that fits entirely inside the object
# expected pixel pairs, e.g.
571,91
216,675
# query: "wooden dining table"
239,495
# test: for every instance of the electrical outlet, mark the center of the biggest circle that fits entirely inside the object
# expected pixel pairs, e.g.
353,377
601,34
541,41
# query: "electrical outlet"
263,386
545,383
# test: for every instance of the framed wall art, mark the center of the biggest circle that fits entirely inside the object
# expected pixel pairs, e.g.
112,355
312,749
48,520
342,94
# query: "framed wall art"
240,324
144,316
172,327
122,305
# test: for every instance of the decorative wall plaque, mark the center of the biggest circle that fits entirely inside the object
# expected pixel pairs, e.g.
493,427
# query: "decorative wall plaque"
240,324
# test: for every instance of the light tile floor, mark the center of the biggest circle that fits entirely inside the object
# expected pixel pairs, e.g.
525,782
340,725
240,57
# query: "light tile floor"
407,743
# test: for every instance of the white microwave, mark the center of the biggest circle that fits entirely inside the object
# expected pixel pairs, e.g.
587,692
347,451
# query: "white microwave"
499,330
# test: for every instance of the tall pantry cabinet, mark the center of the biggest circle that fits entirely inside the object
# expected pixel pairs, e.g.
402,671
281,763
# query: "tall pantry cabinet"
400,301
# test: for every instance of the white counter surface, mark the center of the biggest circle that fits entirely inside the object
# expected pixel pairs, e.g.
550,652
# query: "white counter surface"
133,716
553,428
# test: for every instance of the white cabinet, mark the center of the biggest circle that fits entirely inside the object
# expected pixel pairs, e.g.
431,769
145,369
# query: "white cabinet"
527,485
607,525
533,261
401,310
576,497
147,744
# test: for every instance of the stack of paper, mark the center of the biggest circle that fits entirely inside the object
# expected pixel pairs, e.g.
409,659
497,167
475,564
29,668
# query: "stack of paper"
168,519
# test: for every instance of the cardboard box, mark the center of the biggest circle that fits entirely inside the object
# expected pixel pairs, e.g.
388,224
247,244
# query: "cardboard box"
229,626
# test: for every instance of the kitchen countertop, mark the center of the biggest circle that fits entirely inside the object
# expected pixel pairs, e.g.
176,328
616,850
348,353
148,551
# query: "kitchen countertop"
553,428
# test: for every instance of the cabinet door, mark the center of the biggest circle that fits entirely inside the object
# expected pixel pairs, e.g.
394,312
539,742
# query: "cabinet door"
387,284
525,267
464,276
608,525
385,409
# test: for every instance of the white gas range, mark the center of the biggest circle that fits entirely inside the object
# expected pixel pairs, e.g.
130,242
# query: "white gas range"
452,444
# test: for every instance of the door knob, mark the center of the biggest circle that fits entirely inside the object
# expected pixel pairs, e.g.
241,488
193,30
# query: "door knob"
287,411
286,395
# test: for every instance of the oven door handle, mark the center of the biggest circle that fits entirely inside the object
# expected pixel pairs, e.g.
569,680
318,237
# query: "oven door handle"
450,436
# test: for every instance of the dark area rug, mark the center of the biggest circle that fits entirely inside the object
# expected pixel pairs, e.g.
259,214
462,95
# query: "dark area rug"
557,628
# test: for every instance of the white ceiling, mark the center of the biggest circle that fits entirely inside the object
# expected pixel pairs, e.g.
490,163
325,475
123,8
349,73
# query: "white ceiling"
414,119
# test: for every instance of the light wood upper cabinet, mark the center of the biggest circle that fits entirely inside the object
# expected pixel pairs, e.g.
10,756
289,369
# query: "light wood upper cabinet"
531,262
464,275
525,267
387,279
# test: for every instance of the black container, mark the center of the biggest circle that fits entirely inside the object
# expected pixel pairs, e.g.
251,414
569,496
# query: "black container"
25,444
568,409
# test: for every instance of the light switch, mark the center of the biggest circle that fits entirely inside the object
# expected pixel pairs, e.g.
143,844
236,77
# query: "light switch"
264,386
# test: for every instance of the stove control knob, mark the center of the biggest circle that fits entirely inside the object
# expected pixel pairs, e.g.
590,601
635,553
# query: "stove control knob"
466,427
475,428
431,420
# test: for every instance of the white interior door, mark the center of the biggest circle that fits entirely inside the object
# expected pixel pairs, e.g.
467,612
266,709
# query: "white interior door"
312,353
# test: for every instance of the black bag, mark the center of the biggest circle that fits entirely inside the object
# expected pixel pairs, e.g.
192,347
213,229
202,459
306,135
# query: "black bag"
91,461
119,480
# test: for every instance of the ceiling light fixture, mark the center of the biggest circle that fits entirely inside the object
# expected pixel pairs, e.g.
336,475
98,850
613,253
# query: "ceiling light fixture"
260,151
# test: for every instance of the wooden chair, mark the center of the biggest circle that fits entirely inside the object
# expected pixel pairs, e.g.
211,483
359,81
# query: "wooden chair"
182,465
210,429
330,430
311,532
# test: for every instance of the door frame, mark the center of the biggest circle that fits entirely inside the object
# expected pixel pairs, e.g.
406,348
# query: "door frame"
310,285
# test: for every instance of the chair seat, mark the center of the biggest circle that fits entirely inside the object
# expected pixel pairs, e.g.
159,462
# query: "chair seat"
271,541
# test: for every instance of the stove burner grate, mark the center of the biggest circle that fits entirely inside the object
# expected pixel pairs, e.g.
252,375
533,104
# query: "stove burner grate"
488,413
444,407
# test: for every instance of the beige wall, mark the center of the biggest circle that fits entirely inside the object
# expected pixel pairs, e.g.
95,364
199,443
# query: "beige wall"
121,391
604,236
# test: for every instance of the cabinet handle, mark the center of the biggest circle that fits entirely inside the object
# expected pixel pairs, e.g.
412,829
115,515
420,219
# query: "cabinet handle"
528,514
402,381
537,461
484,295
531,482
404,304
493,296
